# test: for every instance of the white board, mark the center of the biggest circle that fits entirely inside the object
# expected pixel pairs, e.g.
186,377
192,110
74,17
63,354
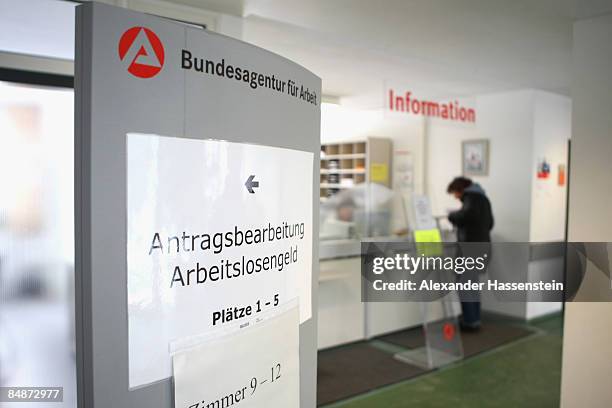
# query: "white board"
191,270
225,372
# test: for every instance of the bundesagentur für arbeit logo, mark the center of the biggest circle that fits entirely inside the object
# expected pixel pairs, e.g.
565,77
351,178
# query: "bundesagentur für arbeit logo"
142,52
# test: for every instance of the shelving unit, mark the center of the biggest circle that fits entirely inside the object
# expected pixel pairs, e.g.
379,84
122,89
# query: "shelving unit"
347,164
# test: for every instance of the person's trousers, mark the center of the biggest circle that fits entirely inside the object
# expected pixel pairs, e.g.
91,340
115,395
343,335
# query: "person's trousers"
470,300
471,313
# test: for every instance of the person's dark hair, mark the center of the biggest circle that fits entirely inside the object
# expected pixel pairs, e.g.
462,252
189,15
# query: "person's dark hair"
458,185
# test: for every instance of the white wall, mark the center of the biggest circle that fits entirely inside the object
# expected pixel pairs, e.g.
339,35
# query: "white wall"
587,354
506,120
522,127
551,133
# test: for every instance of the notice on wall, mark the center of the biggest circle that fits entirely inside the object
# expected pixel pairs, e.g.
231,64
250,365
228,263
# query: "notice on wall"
218,233
403,171
561,175
226,372
379,172
423,218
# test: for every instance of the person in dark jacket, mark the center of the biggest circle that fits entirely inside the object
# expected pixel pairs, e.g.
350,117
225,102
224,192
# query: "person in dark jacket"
474,222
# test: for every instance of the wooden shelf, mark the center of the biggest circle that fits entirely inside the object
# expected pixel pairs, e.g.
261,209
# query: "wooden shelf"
344,156
352,162
335,185
342,171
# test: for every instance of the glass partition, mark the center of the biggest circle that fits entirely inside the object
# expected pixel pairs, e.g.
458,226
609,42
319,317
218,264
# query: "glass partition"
37,346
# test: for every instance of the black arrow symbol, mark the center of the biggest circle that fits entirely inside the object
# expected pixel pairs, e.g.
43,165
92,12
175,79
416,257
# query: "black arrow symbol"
250,184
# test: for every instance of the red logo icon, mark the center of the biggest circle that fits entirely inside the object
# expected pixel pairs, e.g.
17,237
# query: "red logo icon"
449,331
142,52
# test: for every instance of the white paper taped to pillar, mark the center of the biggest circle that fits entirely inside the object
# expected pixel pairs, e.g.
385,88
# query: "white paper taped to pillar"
218,233
207,376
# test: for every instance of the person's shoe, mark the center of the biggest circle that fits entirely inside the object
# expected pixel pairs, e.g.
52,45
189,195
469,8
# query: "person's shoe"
469,328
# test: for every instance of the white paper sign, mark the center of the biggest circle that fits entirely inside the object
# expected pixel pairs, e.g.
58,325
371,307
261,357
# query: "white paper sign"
217,232
423,219
257,367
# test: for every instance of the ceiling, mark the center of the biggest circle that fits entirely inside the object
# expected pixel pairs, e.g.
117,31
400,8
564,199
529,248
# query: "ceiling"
574,9
463,47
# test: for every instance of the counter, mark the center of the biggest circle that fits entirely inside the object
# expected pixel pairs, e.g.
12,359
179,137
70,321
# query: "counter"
343,318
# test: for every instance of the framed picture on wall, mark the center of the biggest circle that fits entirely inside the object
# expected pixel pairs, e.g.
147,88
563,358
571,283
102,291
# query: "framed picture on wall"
475,157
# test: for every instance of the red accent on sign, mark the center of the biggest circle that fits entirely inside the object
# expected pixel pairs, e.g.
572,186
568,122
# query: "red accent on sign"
128,40
449,331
